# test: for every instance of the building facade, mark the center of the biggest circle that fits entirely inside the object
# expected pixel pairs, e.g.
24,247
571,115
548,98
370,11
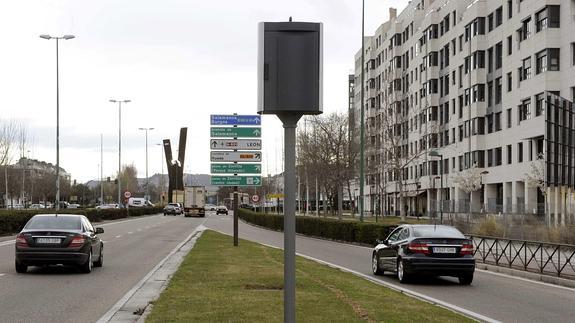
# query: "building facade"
470,80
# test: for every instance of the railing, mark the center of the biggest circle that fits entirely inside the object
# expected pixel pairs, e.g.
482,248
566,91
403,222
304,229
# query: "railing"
532,256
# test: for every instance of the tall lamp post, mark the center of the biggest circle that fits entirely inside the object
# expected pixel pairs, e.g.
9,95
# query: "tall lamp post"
120,146
362,116
485,172
162,173
65,37
147,178
434,153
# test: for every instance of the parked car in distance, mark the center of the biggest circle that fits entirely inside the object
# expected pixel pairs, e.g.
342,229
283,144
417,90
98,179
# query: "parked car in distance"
107,206
51,239
221,209
37,206
73,206
422,249
209,207
173,209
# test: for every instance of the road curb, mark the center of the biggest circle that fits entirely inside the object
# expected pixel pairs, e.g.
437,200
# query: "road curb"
527,275
134,305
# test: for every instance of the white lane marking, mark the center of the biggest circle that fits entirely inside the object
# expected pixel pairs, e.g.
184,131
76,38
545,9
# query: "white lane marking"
524,279
406,291
2,275
130,232
118,236
7,243
139,229
106,317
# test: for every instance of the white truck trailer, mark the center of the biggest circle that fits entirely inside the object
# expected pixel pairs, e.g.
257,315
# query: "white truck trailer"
194,201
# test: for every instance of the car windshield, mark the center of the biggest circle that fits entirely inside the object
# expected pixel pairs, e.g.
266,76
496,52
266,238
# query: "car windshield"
54,223
432,231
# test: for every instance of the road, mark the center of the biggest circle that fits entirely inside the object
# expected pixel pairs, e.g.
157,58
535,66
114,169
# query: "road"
496,296
61,294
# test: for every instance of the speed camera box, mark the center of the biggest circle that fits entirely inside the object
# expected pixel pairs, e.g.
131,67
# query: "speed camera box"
290,68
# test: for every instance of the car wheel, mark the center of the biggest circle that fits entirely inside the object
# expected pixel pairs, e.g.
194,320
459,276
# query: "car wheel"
100,261
21,268
466,279
164,214
375,265
401,275
86,268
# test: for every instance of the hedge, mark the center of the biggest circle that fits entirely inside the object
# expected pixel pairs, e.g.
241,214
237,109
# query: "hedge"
12,221
346,231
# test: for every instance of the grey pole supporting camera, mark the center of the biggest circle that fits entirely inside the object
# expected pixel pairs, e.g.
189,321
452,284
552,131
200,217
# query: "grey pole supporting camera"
290,72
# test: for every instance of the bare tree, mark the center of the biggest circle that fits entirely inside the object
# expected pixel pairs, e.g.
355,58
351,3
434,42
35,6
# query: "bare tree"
468,180
535,178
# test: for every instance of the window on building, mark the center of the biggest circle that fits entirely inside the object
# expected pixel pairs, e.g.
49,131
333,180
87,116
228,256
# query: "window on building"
541,62
539,104
498,16
524,109
498,90
525,31
547,60
509,155
509,81
526,69
572,53
498,55
497,121
548,17
509,120
490,59
489,121
489,157
489,93
490,22
497,156
509,9
509,45
520,152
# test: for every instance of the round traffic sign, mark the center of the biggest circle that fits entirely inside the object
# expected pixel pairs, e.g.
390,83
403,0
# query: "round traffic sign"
255,198
127,194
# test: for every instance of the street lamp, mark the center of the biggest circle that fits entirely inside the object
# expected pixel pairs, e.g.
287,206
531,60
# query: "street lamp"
485,172
147,178
162,173
65,37
434,153
119,145
362,115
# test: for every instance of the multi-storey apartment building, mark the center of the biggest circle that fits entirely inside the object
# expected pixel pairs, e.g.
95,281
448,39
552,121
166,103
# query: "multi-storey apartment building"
471,81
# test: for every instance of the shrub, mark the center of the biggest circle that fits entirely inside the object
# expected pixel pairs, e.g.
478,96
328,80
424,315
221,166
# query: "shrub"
346,231
12,221
489,227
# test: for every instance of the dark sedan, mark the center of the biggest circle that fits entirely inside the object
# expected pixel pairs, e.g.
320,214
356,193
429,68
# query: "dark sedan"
434,250
67,239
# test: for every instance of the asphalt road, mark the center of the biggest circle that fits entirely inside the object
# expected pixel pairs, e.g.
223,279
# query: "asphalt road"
496,296
62,294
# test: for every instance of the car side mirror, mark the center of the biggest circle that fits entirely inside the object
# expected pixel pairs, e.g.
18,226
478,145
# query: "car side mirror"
99,230
378,242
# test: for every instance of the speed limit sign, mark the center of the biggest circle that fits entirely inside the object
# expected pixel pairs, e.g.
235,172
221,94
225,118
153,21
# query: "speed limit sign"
127,194
255,198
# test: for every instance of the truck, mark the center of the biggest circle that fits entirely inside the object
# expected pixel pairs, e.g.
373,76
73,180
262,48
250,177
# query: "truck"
194,201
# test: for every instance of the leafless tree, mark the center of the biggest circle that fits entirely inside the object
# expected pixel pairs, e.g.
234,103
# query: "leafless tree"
535,178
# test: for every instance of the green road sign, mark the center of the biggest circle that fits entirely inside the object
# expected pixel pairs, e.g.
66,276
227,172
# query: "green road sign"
249,132
236,168
236,180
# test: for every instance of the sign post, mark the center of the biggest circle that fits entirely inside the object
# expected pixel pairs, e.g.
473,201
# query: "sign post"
289,86
228,151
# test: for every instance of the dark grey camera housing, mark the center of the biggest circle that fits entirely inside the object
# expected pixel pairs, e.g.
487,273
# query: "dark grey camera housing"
290,68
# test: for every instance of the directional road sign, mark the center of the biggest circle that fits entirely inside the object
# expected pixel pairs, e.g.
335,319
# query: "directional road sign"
233,144
236,180
236,169
235,156
249,132
233,120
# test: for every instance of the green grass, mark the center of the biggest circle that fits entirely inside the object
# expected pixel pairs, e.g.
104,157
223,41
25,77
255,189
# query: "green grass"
221,283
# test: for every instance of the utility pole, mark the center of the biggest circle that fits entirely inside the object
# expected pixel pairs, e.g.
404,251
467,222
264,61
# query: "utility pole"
362,115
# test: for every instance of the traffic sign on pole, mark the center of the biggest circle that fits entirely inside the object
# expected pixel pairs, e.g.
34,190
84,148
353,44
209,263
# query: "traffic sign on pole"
236,169
248,132
235,120
235,156
236,180
127,194
234,144
255,198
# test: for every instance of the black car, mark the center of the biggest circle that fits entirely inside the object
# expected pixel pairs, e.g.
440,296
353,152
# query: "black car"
67,239
434,250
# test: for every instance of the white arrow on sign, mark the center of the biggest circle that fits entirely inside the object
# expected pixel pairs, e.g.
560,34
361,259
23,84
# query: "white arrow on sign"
235,156
232,144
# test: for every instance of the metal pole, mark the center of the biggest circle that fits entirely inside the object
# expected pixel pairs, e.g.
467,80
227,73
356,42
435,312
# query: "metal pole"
289,124
441,192
101,169
236,216
147,178
57,131
362,115
119,153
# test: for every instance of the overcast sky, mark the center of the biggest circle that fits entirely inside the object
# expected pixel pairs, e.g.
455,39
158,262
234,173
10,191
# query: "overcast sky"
177,60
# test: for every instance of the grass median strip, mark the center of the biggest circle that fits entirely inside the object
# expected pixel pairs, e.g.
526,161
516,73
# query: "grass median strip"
221,283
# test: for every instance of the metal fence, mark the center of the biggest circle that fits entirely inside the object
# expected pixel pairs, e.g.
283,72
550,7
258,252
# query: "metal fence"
539,257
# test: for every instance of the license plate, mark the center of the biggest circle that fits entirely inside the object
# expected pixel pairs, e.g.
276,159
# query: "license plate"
443,250
48,240
194,211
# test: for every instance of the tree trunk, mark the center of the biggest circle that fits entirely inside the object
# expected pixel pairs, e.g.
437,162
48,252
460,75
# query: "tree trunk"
339,201
325,199
351,199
